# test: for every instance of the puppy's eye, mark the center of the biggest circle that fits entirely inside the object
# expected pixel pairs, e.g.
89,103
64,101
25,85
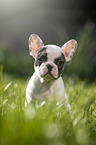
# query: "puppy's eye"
60,62
42,58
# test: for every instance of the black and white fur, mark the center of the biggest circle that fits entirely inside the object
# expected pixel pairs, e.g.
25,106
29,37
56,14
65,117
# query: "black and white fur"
49,65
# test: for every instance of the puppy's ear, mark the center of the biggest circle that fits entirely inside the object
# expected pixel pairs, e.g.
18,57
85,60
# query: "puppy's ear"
69,48
35,44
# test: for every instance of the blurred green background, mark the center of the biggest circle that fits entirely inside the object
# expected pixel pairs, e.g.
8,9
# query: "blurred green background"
55,22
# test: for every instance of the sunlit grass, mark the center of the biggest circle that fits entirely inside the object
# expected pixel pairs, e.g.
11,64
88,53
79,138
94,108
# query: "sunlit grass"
49,124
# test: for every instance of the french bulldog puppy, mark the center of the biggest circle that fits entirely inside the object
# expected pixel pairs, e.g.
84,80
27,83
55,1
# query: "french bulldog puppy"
49,64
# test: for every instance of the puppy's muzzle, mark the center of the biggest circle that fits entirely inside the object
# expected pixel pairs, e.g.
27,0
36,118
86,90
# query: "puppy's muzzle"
49,67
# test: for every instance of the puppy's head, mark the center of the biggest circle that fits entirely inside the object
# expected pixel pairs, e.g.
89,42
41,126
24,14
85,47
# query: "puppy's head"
50,59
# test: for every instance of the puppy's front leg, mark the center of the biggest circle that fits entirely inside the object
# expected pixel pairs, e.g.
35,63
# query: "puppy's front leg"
30,89
28,96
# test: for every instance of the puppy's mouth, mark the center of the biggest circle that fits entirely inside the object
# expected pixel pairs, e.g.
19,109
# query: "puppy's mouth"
48,76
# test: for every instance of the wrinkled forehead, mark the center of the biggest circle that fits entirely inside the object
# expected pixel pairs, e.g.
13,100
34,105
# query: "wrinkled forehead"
52,51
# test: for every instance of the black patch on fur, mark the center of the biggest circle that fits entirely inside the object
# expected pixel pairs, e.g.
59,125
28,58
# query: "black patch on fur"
41,57
60,61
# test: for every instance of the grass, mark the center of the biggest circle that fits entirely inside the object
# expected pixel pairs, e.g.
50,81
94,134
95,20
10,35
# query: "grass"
49,124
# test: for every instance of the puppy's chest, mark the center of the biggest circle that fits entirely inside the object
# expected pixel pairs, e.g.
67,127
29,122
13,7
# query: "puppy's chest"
44,90
47,89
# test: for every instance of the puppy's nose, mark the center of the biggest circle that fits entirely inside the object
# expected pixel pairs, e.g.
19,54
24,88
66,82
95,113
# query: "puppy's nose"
49,67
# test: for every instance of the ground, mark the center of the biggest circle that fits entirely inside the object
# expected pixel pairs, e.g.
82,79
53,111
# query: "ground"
48,124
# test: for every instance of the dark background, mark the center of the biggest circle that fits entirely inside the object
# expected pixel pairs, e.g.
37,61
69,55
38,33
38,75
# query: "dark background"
55,21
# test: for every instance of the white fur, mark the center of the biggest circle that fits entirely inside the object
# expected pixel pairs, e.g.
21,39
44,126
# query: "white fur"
41,90
53,52
40,87
43,84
